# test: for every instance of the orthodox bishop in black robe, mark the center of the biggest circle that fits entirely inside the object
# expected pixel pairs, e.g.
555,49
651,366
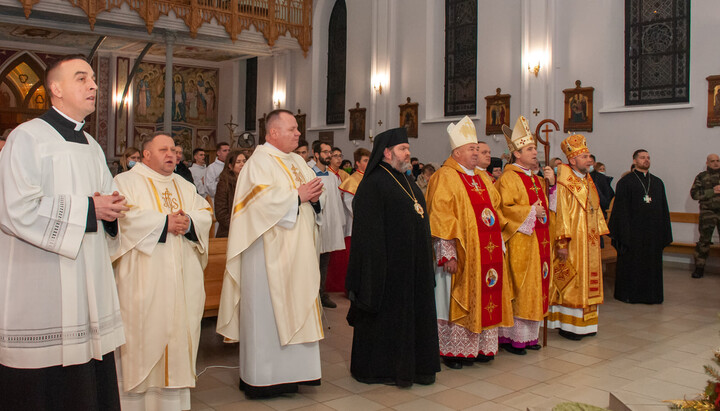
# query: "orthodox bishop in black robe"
390,278
640,229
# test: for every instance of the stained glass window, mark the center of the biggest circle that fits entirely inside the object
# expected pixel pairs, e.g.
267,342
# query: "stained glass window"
250,93
657,51
460,57
337,45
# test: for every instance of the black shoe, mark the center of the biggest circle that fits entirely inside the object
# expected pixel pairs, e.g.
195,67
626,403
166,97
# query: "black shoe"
484,358
570,336
533,347
699,272
327,302
424,379
512,350
452,363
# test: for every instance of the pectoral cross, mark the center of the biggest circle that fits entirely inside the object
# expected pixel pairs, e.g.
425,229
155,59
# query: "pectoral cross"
476,188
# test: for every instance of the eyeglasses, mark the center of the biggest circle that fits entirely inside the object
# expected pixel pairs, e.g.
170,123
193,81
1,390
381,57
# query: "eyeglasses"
337,155
325,152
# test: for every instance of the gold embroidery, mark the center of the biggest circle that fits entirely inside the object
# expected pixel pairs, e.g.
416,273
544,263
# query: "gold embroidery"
490,307
254,192
157,197
490,247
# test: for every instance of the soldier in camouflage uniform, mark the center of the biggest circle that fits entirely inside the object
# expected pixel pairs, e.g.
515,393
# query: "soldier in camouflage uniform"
706,190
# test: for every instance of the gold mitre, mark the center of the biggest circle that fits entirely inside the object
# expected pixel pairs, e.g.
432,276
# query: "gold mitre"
520,136
574,145
461,133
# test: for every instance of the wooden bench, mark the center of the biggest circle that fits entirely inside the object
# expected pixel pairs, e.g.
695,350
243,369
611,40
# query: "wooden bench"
677,247
214,275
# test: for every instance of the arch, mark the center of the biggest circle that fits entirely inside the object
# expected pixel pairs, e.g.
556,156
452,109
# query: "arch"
12,116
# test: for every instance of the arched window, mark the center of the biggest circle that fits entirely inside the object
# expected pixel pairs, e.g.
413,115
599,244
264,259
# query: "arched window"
22,92
460,57
657,51
337,45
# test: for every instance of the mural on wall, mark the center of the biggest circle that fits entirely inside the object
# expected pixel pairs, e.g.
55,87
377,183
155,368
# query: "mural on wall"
194,99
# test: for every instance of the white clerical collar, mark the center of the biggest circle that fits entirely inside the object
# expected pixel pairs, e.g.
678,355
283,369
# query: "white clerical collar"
143,168
467,171
525,170
577,173
78,125
272,147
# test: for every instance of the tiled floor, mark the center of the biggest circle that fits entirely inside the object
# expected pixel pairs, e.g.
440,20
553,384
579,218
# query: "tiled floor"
645,352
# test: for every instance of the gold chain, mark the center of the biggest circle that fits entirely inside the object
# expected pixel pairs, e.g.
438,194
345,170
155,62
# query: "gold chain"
418,207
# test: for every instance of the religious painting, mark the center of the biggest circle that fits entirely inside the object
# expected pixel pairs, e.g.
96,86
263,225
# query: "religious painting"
142,133
300,118
184,135
261,129
357,123
205,139
409,117
713,116
121,115
578,112
497,112
327,137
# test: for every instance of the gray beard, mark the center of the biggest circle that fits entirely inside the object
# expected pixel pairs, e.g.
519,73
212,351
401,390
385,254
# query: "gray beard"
399,165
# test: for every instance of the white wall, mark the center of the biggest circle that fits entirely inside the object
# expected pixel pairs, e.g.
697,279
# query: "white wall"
587,44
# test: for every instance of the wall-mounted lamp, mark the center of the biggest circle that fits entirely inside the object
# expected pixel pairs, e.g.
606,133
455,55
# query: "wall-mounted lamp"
278,98
535,61
378,81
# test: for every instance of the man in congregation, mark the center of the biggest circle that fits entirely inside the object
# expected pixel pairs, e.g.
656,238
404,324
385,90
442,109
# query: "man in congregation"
527,210
640,230
706,191
390,275
212,173
198,170
332,230
349,187
303,150
159,269
335,161
577,279
472,295
180,167
602,184
60,321
269,298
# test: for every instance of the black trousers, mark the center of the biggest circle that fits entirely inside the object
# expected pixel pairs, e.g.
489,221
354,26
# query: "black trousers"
92,386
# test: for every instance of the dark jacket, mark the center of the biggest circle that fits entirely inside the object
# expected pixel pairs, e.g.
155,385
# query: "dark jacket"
224,196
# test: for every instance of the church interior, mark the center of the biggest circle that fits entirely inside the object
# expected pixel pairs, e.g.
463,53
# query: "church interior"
626,74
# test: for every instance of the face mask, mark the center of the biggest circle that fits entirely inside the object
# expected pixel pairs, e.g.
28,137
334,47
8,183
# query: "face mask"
409,172
348,170
555,170
131,164
591,169
601,172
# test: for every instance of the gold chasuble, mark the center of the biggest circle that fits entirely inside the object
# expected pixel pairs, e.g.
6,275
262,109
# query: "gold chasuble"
463,208
577,282
529,256
160,285
350,184
266,191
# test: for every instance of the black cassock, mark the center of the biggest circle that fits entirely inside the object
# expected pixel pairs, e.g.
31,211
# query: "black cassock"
390,282
640,230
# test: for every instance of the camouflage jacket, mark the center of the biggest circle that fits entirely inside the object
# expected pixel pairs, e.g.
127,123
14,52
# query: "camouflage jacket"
702,190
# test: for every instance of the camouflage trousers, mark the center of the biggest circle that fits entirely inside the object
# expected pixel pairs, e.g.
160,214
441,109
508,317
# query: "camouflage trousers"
709,220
